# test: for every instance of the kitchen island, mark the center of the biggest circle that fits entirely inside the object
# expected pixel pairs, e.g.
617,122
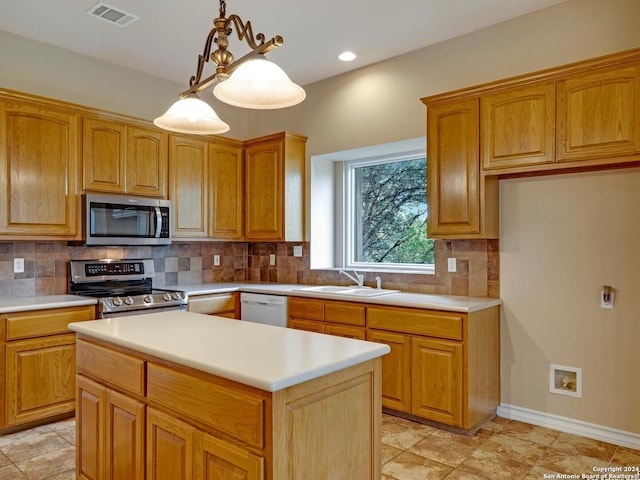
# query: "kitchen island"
184,395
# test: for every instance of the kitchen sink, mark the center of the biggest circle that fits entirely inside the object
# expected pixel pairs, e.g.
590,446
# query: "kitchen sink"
349,291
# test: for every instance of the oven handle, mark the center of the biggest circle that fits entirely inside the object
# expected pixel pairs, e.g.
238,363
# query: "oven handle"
158,222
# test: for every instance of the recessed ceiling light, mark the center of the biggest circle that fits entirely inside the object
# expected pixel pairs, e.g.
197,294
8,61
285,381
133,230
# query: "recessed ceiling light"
347,56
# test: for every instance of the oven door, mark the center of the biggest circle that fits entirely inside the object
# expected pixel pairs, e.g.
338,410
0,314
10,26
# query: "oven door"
113,220
142,311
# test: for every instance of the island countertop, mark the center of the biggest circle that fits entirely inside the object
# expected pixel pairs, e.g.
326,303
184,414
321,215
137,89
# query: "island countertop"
262,356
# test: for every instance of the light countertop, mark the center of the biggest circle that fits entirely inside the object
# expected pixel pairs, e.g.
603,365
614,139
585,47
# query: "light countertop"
262,356
451,303
41,302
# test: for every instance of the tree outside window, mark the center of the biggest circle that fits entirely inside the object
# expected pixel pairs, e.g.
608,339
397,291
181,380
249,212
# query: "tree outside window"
389,213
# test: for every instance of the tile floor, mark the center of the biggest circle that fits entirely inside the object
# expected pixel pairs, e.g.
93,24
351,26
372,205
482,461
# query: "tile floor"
503,449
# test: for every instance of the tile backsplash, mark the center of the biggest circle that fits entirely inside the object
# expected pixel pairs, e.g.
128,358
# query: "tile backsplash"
46,266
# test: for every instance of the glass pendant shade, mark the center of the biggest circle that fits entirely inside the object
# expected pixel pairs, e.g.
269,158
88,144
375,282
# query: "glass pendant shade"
259,84
192,115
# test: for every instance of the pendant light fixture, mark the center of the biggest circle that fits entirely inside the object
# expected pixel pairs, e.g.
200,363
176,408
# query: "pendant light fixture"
249,82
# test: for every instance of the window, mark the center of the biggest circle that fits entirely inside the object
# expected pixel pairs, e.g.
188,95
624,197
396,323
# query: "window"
386,214
368,209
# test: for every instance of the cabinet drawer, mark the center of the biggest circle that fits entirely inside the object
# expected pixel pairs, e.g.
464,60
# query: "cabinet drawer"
240,414
307,325
114,367
344,312
345,331
418,322
45,322
304,308
212,304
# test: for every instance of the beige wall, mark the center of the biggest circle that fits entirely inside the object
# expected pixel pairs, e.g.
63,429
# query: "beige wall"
40,69
563,236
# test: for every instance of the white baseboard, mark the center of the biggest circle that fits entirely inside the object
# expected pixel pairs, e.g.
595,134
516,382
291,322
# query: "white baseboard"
569,425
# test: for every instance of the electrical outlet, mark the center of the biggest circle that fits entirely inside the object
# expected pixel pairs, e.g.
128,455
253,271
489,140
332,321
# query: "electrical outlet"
272,259
297,250
451,265
607,302
216,260
18,265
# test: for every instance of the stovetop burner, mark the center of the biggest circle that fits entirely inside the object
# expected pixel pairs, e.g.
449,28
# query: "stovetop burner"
122,286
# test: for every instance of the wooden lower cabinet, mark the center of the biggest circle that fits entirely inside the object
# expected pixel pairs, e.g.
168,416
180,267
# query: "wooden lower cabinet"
37,364
218,304
110,433
436,380
396,369
342,319
186,424
216,459
443,366
169,447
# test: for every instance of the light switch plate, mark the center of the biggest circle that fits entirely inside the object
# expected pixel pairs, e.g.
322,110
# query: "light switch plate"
451,264
216,260
272,259
297,250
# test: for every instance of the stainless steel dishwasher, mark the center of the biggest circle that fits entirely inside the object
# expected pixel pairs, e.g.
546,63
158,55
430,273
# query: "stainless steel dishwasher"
261,308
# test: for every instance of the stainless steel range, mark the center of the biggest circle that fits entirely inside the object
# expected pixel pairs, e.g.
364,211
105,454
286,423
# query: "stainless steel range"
123,287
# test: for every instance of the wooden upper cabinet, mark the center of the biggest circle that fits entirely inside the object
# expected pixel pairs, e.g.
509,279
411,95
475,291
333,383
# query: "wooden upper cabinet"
146,164
38,156
226,190
103,154
458,198
188,170
597,114
517,126
121,158
274,188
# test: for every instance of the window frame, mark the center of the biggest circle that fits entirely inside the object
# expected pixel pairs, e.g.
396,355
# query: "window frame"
349,224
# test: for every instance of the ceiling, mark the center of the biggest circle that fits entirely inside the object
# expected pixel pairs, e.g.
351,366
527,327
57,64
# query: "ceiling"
170,34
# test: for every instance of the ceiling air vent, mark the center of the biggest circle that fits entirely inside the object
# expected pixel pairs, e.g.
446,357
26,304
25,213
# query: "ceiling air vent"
112,15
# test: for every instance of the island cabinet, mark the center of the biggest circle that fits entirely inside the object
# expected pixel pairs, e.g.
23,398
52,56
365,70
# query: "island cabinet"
274,187
138,413
344,319
123,158
443,366
219,304
38,361
38,154
206,186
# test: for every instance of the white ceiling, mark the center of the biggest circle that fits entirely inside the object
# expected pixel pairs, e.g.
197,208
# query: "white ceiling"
171,33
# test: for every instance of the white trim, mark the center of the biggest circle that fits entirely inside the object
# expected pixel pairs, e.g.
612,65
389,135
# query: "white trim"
570,425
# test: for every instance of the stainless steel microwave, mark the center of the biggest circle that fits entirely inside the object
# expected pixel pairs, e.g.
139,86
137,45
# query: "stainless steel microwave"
124,220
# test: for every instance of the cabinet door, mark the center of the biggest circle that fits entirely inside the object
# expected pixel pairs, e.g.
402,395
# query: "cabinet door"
188,159
436,380
517,126
103,155
169,447
264,191
124,437
90,405
38,153
146,163
597,114
40,378
220,460
453,168
226,191
396,369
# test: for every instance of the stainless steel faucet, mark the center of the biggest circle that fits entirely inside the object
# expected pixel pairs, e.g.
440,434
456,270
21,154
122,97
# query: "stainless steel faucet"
356,277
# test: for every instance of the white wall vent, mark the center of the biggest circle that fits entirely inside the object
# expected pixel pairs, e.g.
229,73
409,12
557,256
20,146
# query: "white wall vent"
112,15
